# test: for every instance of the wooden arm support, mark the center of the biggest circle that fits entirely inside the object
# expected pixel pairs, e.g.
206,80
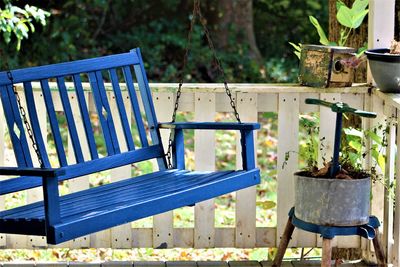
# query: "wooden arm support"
40,172
246,131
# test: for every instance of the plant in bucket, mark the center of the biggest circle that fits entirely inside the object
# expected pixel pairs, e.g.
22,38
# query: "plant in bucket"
335,199
331,64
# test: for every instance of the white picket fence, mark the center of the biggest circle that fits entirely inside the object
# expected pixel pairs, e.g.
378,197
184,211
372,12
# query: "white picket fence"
205,100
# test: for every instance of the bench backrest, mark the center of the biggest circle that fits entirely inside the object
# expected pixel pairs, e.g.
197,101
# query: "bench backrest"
127,67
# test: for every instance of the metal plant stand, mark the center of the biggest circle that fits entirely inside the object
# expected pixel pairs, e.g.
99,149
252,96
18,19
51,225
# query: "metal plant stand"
368,230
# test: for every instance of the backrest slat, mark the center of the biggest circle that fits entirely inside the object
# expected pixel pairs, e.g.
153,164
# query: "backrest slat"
102,113
16,129
62,159
69,68
135,106
85,116
121,109
148,106
70,120
33,117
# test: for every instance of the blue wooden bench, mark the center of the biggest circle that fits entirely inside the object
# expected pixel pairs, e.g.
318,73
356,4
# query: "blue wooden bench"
61,218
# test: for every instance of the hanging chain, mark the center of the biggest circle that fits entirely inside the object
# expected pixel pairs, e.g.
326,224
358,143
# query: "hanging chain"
179,91
218,63
196,10
25,120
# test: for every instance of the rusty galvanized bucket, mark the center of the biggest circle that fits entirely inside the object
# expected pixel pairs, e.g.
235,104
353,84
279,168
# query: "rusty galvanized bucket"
332,202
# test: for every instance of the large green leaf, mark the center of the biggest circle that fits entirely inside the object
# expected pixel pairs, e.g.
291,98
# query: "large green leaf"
352,18
358,19
359,6
344,16
339,4
322,36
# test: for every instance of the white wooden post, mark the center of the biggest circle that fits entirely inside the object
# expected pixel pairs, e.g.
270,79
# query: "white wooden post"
389,178
80,183
3,237
121,236
380,26
396,225
204,149
288,142
36,194
163,223
246,198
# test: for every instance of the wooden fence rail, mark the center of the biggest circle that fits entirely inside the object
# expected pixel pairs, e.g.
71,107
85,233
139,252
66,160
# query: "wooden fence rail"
205,101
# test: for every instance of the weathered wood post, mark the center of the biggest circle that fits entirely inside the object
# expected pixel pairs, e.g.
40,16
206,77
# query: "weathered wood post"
381,21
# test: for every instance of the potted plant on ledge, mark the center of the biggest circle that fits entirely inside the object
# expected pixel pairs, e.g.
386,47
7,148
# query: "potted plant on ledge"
333,200
385,67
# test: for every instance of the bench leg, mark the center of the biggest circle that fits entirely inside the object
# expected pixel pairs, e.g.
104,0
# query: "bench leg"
283,244
380,254
326,252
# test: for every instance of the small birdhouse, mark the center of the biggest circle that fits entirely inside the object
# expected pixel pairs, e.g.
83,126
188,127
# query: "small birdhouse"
326,66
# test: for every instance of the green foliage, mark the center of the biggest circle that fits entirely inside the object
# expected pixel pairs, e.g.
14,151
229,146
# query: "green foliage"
18,22
322,36
83,29
349,18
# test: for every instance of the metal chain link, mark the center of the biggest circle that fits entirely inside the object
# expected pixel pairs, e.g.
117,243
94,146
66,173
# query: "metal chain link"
25,120
217,62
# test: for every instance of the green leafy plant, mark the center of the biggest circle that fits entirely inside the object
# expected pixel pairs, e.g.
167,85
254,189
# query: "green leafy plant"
349,20
18,22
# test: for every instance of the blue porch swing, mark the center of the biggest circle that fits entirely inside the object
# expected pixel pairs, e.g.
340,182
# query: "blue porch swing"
62,218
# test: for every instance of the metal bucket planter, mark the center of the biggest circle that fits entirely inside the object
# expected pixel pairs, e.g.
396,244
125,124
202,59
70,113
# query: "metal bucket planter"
332,202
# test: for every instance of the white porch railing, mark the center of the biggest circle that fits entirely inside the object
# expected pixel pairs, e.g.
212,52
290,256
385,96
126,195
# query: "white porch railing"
205,100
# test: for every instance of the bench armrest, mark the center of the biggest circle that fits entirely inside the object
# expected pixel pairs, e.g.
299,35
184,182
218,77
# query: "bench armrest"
30,171
246,131
210,125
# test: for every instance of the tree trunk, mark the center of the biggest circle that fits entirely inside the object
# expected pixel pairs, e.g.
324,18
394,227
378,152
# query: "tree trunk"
225,19
243,10
357,38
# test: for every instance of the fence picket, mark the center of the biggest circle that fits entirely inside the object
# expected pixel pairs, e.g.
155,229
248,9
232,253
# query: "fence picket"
288,130
3,237
36,194
163,223
396,224
82,182
389,178
204,212
121,236
245,235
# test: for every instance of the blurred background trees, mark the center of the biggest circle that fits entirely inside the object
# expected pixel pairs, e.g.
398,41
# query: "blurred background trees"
251,36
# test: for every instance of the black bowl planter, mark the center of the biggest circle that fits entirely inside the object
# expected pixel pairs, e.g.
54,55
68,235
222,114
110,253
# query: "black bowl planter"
385,69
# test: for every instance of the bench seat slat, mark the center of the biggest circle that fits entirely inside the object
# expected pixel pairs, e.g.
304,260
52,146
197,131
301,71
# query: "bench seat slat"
69,68
108,193
132,199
